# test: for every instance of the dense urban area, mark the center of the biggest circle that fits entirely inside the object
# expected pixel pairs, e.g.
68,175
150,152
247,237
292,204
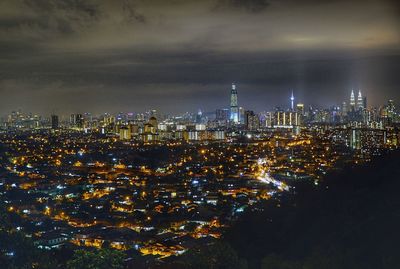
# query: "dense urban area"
157,186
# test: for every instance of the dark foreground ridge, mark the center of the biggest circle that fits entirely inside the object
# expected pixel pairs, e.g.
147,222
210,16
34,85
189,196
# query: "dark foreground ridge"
351,220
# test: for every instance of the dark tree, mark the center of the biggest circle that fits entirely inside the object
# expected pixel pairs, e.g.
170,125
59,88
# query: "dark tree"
97,259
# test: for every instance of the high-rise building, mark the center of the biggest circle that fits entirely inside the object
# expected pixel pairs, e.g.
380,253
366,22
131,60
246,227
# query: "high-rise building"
352,101
360,101
292,102
269,116
251,120
283,119
79,120
365,102
234,116
390,111
344,109
300,113
241,114
300,109
54,122
76,121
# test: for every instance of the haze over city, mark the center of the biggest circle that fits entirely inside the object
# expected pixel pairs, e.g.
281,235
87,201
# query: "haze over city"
109,56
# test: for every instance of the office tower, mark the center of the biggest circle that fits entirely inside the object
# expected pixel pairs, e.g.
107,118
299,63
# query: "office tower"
390,106
72,120
76,121
54,122
234,117
300,113
365,102
269,117
360,102
292,102
241,114
390,111
344,109
251,120
352,101
300,109
79,121
335,114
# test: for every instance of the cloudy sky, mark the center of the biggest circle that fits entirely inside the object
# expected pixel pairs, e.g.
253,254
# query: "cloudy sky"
65,56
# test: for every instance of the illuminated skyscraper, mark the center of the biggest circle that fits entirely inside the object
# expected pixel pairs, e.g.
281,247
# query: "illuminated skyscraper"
292,102
234,117
344,108
352,101
360,102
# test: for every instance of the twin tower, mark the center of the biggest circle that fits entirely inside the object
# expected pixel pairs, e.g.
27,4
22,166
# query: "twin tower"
359,104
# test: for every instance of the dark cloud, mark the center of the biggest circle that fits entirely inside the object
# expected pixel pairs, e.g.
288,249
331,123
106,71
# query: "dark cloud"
132,13
116,55
248,5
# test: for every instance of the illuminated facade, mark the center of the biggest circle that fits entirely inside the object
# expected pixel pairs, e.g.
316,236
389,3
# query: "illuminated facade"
360,101
292,102
234,116
352,101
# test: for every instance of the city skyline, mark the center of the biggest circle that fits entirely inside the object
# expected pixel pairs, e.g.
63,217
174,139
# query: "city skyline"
132,55
351,103
291,101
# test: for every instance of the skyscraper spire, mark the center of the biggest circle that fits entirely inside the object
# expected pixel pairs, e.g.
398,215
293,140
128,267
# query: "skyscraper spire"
234,117
292,101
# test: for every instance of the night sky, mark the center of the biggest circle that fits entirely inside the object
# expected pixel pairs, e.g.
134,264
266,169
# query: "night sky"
66,56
